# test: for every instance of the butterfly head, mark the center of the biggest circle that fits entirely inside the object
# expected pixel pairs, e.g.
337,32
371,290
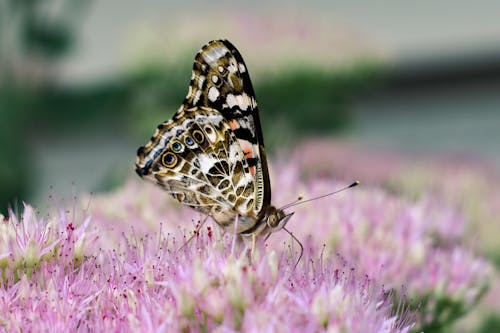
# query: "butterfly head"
276,219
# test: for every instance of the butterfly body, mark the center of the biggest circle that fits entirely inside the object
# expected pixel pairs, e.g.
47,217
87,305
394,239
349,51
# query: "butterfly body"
210,156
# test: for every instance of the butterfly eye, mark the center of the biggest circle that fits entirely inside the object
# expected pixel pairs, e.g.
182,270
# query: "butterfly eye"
176,146
169,160
188,141
198,136
272,221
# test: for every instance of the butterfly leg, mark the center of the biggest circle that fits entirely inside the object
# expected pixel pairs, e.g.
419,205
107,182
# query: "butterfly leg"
254,241
251,251
235,235
250,246
300,245
195,232
296,240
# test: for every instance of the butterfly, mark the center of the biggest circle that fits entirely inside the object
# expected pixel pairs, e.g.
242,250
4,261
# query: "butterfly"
210,156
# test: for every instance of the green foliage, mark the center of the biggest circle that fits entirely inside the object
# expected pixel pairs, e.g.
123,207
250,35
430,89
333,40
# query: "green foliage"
76,109
490,324
34,34
45,28
494,257
49,40
310,101
15,161
445,312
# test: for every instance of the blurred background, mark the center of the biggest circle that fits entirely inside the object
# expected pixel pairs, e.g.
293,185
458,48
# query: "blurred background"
84,83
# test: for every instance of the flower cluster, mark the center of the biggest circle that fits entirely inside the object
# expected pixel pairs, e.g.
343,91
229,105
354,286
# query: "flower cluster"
463,186
155,284
400,243
454,197
373,261
29,242
415,244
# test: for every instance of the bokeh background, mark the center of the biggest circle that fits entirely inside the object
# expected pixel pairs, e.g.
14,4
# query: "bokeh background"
360,90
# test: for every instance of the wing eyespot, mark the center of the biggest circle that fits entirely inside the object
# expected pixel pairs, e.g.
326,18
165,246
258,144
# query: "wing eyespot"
176,146
188,141
198,136
169,160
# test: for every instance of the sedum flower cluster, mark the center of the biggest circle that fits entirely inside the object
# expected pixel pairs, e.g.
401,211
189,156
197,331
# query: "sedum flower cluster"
136,261
53,280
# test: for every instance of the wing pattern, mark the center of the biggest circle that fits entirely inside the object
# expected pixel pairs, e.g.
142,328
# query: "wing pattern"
211,156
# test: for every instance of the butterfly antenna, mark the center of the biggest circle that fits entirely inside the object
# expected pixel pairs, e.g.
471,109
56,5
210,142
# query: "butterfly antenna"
300,244
299,201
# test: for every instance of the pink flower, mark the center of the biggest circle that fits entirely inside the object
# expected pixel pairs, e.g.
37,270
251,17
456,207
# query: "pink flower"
146,283
28,241
128,267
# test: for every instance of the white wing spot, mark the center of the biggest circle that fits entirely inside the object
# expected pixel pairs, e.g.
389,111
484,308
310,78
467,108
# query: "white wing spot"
232,68
215,78
213,93
197,96
242,67
240,100
243,101
221,69
205,163
231,100
235,154
211,55
201,79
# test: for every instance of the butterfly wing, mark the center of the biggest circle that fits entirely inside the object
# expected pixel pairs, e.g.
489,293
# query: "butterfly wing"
220,80
225,174
198,160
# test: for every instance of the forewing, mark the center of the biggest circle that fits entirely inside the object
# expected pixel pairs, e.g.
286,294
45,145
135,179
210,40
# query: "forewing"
220,80
197,159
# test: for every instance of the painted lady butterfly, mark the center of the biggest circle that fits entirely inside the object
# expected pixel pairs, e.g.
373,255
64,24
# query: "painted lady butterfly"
211,155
